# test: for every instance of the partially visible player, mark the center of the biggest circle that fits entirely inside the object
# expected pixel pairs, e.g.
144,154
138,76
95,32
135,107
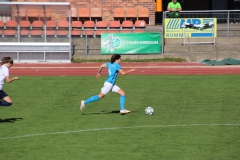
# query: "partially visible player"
110,84
6,64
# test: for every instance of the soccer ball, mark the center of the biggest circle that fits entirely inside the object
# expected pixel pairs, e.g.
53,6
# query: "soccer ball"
149,111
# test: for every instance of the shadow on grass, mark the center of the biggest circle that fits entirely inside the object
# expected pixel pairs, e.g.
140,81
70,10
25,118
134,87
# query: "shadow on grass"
102,112
9,120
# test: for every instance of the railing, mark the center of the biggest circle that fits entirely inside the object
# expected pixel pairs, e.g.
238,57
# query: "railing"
227,20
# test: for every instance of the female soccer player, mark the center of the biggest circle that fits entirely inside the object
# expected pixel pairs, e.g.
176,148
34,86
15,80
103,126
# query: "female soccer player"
113,69
6,63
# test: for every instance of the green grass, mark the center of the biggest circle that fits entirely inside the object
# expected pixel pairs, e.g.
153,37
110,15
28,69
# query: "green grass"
196,117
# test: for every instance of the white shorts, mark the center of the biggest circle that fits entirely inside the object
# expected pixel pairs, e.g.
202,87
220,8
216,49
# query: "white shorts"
109,86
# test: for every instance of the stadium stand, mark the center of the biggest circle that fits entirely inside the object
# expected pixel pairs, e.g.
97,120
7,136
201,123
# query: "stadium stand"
88,25
143,14
83,14
25,26
131,14
127,26
63,28
114,26
37,28
51,28
96,14
101,25
11,28
139,26
125,20
119,14
76,28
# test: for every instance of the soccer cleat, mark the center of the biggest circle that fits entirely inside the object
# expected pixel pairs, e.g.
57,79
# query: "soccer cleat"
82,105
124,111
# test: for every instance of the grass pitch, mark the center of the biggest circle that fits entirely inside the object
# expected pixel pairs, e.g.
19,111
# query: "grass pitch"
196,117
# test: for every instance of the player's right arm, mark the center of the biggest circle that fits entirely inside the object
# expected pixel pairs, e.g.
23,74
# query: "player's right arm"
9,80
100,69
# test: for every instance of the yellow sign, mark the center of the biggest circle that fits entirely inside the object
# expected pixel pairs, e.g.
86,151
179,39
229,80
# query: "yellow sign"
194,27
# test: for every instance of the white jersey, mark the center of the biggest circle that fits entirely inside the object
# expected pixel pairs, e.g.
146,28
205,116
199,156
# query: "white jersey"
4,71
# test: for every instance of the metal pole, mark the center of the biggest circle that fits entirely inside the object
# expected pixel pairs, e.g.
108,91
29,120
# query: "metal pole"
86,42
163,32
44,56
70,35
44,23
18,20
228,24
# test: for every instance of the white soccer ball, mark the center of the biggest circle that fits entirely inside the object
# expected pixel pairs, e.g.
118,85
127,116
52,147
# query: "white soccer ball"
149,111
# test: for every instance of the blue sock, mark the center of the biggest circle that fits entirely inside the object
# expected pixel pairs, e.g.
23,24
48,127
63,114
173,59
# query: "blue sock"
4,103
92,99
122,102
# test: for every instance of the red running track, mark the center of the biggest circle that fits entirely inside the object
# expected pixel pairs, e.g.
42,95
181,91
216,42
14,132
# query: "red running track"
142,68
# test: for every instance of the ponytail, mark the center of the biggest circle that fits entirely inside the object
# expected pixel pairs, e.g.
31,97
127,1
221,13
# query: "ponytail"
115,57
6,60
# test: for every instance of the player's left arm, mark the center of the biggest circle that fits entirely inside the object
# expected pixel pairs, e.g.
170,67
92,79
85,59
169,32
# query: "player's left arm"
100,69
9,80
126,72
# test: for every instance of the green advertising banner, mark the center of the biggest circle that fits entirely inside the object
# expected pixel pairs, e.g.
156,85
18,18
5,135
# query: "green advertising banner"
131,43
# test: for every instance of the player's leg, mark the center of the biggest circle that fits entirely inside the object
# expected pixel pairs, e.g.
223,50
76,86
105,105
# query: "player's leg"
6,100
104,91
122,94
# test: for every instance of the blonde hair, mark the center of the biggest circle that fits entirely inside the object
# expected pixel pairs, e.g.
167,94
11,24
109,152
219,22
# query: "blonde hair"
5,60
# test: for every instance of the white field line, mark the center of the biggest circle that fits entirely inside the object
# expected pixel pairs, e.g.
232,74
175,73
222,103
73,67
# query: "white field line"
113,128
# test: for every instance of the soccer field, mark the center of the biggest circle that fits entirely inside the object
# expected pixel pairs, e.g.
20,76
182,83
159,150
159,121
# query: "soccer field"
195,118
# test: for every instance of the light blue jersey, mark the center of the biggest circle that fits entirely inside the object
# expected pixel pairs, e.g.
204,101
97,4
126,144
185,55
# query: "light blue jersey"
113,69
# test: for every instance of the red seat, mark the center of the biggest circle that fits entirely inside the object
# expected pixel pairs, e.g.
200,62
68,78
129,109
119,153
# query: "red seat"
11,28
101,25
143,14
51,27
127,26
47,14
88,28
131,14
24,27
119,14
114,26
37,28
140,26
73,14
77,24
33,14
96,14
83,14
21,13
63,28
1,24
76,28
